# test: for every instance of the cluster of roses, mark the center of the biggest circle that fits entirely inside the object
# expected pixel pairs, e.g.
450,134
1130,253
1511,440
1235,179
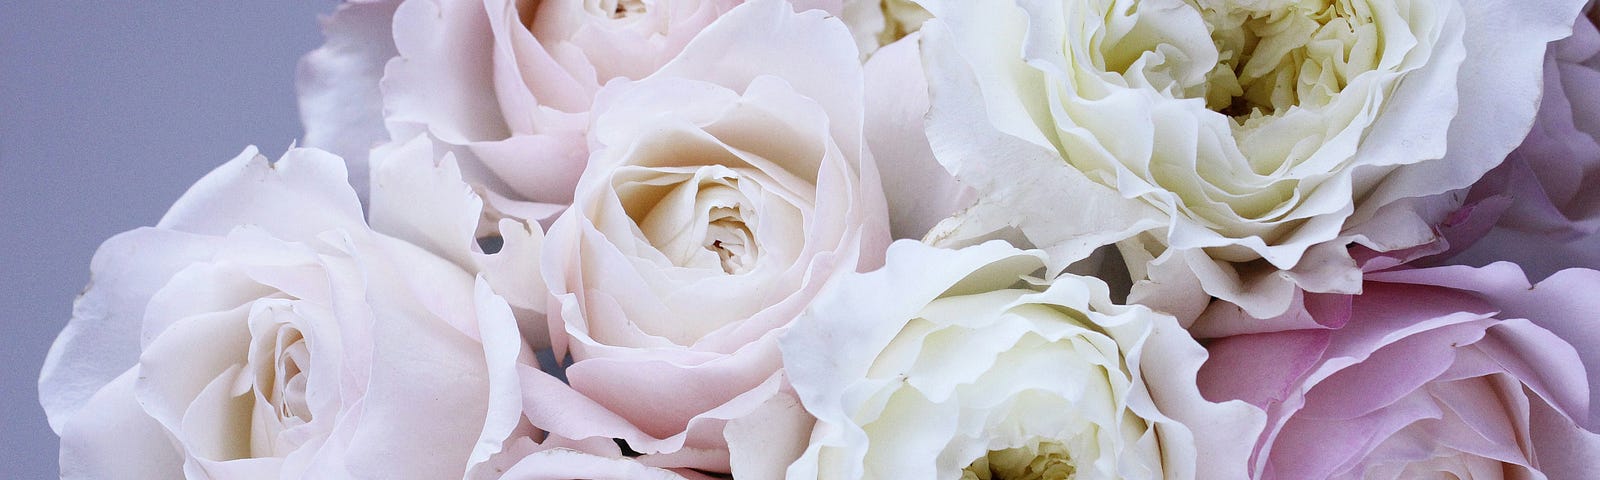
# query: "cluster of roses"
623,239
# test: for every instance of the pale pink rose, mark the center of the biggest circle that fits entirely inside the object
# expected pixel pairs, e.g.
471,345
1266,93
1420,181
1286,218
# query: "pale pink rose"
263,330
920,192
341,107
722,193
507,83
1445,370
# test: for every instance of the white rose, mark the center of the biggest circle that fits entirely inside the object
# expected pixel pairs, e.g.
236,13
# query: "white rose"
722,193
1233,147
957,364
263,330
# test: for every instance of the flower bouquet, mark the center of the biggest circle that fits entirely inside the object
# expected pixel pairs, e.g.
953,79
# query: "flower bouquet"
877,239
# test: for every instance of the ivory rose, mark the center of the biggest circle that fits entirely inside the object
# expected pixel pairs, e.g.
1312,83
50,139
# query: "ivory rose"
1229,148
1462,371
723,191
508,84
959,364
263,330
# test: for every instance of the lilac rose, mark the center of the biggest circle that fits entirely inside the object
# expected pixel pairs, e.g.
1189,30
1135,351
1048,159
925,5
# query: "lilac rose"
1448,370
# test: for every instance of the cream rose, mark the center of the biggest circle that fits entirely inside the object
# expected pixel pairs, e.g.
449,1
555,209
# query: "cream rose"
263,330
959,364
723,191
1230,148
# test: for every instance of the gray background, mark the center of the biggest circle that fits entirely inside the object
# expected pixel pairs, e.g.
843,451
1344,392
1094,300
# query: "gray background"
108,111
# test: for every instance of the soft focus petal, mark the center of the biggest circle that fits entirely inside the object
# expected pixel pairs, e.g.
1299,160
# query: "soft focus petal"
341,106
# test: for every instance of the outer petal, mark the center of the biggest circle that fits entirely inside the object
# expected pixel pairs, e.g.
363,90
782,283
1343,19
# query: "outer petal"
414,199
1170,363
115,438
103,339
442,36
504,353
1498,88
340,103
919,190
764,443
819,60
430,384
420,195
299,196
1560,304
565,464
1010,163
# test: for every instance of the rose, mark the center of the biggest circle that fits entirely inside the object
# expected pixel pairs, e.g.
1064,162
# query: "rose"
341,106
262,329
1456,369
412,198
962,358
511,81
507,83
1546,179
1563,148
722,192
920,192
1229,148
876,23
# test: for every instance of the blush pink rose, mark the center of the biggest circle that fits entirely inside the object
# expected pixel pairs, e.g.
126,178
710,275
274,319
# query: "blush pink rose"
1446,370
506,83
723,192
263,329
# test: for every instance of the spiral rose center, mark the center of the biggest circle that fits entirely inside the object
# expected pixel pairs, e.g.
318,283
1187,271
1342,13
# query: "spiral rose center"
1044,461
729,237
619,9
288,392
1288,53
698,218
